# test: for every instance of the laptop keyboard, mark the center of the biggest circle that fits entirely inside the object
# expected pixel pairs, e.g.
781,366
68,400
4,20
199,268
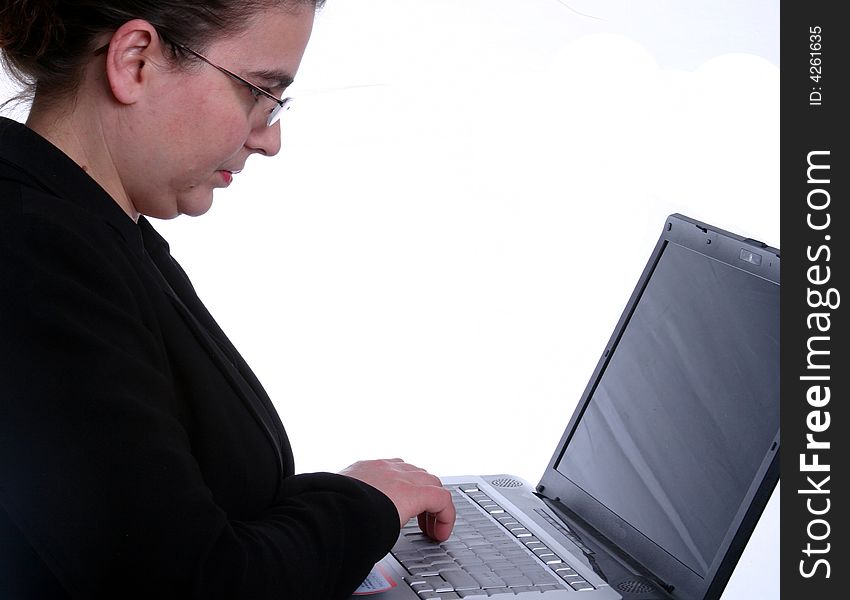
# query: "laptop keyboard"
488,554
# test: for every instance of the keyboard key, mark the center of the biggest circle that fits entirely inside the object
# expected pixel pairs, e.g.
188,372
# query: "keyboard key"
453,545
524,588
579,584
412,580
500,592
460,580
521,532
502,563
582,585
438,584
439,596
423,571
508,572
535,546
509,553
487,579
488,555
469,559
541,576
412,555
516,581
418,564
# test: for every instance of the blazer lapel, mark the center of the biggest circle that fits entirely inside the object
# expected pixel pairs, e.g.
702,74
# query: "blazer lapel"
176,285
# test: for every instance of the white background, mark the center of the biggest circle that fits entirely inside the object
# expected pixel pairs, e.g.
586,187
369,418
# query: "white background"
466,195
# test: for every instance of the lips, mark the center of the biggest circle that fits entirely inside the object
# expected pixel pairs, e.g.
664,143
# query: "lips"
227,175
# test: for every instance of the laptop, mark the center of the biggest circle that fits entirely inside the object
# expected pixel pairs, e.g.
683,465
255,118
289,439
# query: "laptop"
664,467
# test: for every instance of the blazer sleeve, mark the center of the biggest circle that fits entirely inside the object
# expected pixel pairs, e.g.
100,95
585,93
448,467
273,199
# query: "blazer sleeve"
96,470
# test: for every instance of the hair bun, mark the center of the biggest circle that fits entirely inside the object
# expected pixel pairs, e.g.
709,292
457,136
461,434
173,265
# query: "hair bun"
28,28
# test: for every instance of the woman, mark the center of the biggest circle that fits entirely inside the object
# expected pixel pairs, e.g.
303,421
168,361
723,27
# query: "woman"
139,455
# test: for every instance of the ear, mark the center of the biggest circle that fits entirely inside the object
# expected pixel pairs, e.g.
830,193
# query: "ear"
133,50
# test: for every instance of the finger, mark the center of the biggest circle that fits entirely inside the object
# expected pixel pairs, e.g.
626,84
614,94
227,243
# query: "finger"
437,526
427,521
405,466
444,522
437,520
421,477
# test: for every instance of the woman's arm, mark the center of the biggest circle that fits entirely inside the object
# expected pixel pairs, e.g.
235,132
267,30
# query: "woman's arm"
96,467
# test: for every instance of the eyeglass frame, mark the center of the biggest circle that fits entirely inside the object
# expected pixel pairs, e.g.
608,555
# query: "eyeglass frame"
282,103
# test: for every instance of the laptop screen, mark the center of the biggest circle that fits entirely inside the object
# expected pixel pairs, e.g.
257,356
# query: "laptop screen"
686,408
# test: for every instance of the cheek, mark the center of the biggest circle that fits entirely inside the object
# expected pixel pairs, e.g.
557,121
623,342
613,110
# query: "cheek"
207,148
204,130
211,127
222,137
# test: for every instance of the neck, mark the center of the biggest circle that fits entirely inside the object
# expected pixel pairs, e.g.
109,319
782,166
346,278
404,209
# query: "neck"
80,134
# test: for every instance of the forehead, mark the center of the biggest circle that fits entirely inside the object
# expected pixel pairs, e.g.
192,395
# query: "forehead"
271,44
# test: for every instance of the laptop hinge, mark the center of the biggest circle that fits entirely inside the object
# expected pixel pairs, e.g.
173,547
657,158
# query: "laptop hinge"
590,540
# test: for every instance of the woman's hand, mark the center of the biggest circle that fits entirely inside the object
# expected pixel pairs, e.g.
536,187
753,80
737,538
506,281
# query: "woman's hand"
414,491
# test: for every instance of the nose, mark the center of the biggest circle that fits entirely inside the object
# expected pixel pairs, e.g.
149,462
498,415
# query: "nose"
264,140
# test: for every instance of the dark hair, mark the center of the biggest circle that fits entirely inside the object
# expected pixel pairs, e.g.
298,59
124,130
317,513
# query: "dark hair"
46,43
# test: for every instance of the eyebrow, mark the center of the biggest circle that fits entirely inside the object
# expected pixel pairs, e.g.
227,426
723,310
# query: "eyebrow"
280,78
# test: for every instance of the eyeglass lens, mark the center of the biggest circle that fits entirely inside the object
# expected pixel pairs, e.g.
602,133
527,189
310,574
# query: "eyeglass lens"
278,110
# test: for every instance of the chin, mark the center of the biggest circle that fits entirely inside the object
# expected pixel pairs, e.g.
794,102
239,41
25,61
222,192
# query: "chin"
193,206
193,202
195,211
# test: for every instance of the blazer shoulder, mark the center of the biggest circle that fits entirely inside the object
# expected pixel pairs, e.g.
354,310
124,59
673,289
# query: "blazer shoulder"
48,243
10,190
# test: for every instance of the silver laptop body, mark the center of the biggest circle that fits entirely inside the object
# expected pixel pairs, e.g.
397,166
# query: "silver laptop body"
665,466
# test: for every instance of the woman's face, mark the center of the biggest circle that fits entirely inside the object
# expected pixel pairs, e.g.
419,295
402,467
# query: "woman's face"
199,125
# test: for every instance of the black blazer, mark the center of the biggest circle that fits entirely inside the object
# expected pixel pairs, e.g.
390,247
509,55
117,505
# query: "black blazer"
139,455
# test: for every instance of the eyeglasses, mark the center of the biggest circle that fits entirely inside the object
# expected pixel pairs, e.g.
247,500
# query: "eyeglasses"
281,104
